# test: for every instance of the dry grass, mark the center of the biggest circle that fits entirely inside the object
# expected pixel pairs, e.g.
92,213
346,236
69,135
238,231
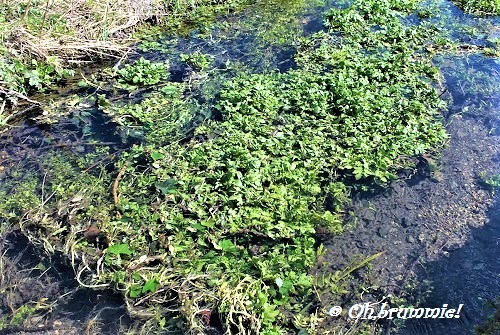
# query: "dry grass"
76,29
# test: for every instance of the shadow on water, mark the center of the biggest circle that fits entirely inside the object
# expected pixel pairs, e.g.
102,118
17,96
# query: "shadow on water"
28,277
469,276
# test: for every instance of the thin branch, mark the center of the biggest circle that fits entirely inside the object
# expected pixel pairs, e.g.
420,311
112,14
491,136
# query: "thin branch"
28,5
43,18
115,187
8,91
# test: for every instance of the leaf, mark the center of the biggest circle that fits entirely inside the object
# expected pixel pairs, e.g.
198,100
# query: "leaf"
156,155
227,246
269,313
169,89
119,249
134,291
262,298
167,186
119,277
150,286
286,287
210,223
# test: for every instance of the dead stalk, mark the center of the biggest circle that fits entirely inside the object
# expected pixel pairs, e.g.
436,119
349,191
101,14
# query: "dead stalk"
43,18
28,5
115,187
8,91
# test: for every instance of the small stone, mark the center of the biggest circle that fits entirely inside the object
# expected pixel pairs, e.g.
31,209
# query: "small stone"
410,239
91,233
383,231
478,266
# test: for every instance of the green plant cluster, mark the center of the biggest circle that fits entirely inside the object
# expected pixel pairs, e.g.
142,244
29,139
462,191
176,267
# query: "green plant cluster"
233,212
60,199
28,77
481,7
19,73
493,181
164,116
143,72
279,22
196,60
219,217
21,314
34,15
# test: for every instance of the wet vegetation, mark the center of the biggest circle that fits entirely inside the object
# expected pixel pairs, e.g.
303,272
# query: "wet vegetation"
44,42
206,218
482,7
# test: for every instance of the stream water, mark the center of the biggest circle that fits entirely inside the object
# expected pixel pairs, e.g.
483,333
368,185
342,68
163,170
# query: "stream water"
439,229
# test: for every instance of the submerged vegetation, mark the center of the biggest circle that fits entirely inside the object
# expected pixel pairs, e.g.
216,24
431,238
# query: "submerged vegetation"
482,7
210,220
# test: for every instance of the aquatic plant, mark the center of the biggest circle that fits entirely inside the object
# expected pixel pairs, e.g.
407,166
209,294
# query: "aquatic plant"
196,60
482,7
492,181
212,220
143,72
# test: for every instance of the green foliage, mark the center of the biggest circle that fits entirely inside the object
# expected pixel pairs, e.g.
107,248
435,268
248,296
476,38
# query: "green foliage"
482,7
119,249
62,188
36,19
279,22
143,72
164,116
26,74
27,77
222,215
493,181
196,60
16,200
241,200
18,317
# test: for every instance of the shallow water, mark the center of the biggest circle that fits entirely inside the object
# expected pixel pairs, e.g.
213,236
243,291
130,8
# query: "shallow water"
469,276
441,229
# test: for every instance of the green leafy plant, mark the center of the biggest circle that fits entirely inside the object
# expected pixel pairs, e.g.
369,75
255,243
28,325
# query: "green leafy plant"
143,72
482,7
196,60
220,216
492,181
